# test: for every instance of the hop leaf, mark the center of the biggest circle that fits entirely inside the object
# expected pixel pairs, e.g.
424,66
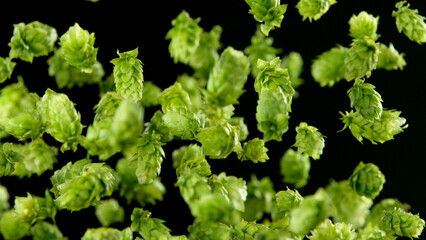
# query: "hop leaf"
380,130
328,230
309,140
62,119
363,25
366,100
269,12
32,40
219,141
410,22
314,9
260,48
227,78
272,113
295,168
254,150
6,68
361,59
78,48
68,76
328,68
405,224
128,75
148,158
185,37
390,58
109,211
367,180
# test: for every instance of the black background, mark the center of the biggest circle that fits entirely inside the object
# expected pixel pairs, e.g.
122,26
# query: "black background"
124,25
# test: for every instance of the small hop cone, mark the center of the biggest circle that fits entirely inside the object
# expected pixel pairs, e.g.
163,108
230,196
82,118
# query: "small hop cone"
309,140
361,59
367,180
6,69
313,9
78,47
366,100
390,58
363,25
128,75
410,22
403,224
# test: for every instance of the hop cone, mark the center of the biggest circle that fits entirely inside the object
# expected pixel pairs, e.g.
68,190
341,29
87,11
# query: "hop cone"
410,22
403,223
361,59
313,9
366,100
367,180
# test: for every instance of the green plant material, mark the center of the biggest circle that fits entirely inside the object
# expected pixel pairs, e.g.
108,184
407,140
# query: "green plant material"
238,122
347,205
268,12
109,212
271,75
46,231
4,199
107,106
246,230
98,141
260,48
62,119
309,140
147,227
254,150
184,37
34,208
312,211
233,188
314,9
148,158
128,75
6,68
402,223
205,55
209,230
374,219
106,233
329,67
367,180
156,125
363,25
294,63
227,78
127,123
31,40
366,100
191,158
328,230
410,22
260,195
295,168
78,48
106,85
82,184
381,130
390,59
8,159
219,141
272,113
130,189
68,76
288,199
151,94
12,227
361,58
37,158
192,86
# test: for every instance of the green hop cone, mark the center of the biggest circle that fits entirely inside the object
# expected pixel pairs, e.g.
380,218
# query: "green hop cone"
410,22
390,58
219,141
6,68
269,12
366,100
328,68
367,180
62,119
12,227
328,230
363,25
78,48
8,159
361,59
288,199
109,212
314,9
380,130
403,224
43,230
295,168
309,140
254,150
32,40
128,75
